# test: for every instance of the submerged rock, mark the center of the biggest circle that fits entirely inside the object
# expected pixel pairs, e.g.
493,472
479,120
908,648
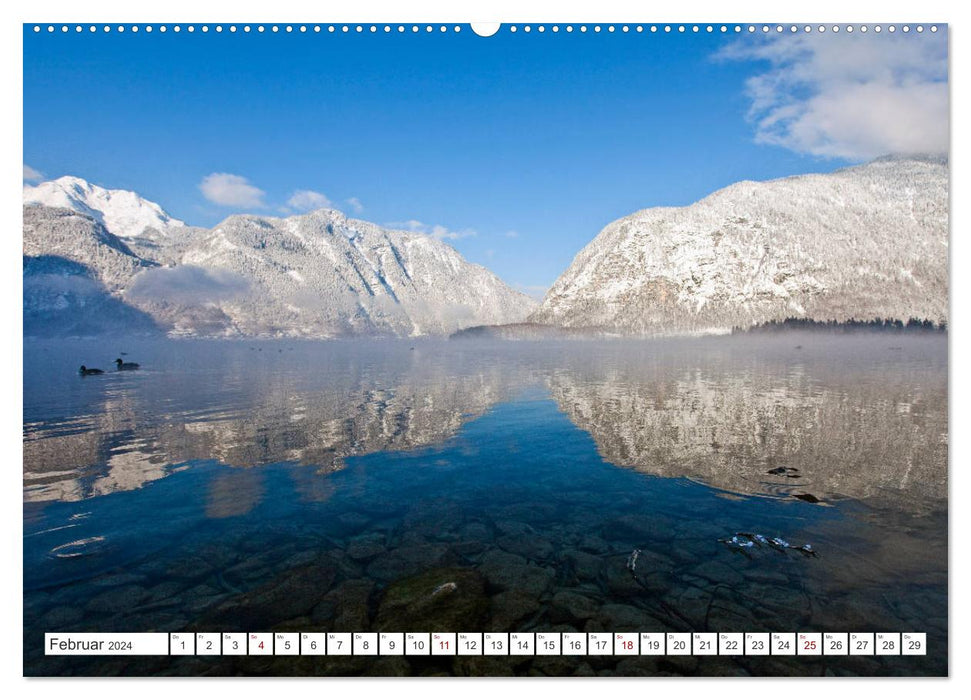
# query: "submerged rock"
291,594
467,548
408,560
117,600
615,617
506,571
640,529
528,512
346,608
530,546
513,528
440,600
353,521
476,532
718,572
479,666
569,606
559,666
592,543
165,590
60,617
389,666
509,609
638,666
619,579
583,566
118,580
366,546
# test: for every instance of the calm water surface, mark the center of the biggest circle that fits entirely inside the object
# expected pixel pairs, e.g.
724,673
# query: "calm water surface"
311,486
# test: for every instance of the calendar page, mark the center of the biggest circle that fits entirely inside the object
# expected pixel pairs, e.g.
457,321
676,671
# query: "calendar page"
515,349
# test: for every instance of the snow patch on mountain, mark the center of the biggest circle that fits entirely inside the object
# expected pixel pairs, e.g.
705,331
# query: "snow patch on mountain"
122,212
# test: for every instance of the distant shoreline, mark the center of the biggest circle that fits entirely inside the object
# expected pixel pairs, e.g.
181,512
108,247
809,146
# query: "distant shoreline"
877,325
536,331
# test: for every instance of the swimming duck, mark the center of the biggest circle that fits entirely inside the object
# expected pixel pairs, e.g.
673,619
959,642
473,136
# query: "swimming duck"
126,365
84,371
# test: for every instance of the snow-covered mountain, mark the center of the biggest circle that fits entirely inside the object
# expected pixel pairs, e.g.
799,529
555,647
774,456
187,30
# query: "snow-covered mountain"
74,274
324,274
867,241
316,275
122,212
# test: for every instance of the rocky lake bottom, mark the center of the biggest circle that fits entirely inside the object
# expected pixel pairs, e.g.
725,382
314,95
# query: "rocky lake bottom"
278,486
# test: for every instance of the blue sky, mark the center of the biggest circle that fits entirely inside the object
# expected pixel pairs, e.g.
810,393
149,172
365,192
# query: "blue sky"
517,148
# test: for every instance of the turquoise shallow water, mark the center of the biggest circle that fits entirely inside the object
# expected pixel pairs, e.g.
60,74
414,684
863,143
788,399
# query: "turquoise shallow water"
261,486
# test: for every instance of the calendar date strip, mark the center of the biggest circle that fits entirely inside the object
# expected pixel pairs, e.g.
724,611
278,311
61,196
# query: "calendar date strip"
486,644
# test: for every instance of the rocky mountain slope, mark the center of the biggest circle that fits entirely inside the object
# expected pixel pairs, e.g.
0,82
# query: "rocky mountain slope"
864,242
325,274
316,275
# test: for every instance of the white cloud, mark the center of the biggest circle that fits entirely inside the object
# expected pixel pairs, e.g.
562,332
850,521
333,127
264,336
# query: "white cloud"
355,205
849,96
410,225
442,233
512,234
437,231
306,200
188,284
229,190
32,175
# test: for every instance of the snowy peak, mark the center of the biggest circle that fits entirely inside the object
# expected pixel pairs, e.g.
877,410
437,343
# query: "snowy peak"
121,212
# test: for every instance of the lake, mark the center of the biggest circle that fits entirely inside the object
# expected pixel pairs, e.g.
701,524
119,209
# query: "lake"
421,485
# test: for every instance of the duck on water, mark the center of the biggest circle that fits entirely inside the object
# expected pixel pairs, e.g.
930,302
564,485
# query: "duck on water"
125,365
84,371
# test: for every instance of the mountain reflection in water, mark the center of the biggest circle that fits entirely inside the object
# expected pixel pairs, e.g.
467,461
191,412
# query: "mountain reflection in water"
859,417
